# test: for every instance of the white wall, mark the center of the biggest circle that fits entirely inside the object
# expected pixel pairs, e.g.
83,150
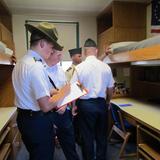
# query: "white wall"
148,29
87,28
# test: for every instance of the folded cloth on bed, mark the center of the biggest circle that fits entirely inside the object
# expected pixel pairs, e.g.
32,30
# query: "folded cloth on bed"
2,47
114,46
137,45
8,51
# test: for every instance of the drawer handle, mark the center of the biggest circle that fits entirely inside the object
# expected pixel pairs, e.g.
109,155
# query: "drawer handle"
14,125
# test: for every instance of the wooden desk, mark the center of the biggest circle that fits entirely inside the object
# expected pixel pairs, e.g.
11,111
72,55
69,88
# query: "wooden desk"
147,119
142,112
6,114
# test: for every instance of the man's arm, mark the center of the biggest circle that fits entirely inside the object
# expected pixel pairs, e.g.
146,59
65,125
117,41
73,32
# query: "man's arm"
106,53
109,94
13,59
48,103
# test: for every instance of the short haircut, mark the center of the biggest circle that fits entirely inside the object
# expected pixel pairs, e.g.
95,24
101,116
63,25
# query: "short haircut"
36,36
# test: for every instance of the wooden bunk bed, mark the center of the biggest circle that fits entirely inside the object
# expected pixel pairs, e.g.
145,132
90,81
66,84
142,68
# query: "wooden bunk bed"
150,51
144,93
10,141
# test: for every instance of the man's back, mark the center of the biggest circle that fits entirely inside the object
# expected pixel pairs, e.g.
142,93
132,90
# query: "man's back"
95,76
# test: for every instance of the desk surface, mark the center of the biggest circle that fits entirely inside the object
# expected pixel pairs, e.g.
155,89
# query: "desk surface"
142,111
5,114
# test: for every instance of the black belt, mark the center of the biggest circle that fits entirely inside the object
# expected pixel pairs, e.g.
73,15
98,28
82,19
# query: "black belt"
93,99
32,113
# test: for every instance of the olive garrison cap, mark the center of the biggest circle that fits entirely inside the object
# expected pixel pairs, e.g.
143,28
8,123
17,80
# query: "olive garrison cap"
75,51
48,30
90,43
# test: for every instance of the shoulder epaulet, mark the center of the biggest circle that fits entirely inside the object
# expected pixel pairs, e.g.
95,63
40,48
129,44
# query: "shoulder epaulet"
69,69
37,60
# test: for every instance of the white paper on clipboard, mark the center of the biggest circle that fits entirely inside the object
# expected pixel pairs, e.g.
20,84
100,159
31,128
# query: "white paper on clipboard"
75,93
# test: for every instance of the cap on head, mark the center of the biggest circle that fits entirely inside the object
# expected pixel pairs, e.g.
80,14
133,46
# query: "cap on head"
75,51
90,43
48,30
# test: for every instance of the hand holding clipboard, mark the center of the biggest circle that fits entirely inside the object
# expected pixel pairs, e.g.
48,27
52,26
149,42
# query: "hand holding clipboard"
77,90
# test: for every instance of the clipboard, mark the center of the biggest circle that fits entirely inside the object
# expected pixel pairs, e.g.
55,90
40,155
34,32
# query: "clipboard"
76,92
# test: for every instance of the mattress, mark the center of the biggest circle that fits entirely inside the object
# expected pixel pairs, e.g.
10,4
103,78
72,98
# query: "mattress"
137,45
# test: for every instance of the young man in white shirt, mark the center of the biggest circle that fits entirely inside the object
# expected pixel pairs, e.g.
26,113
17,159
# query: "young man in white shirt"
97,78
62,118
32,93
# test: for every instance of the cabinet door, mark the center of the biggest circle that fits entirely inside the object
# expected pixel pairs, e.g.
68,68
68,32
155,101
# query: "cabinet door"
16,145
128,34
6,36
105,39
129,14
148,142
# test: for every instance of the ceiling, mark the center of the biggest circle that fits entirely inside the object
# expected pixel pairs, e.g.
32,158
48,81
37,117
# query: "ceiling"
57,6
91,7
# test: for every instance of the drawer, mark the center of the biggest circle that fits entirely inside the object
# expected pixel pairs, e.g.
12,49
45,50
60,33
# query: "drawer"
16,145
5,150
4,134
13,128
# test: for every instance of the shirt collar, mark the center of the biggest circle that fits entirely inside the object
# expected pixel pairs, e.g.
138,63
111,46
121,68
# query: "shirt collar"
91,57
52,68
36,56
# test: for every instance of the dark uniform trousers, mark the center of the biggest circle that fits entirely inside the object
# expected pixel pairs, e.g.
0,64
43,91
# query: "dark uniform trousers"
65,133
37,133
93,126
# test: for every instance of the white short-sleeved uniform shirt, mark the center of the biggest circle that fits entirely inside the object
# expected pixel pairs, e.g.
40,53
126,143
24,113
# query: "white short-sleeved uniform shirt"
95,75
30,81
58,76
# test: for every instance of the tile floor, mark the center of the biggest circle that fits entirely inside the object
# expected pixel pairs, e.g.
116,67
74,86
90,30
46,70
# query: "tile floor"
113,151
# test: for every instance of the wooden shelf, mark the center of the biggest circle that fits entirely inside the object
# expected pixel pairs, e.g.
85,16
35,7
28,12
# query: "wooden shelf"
148,143
149,83
147,150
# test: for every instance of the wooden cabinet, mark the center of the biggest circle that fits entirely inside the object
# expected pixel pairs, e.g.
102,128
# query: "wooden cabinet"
6,88
6,25
10,141
6,35
14,137
121,21
5,16
9,135
148,144
5,147
148,79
